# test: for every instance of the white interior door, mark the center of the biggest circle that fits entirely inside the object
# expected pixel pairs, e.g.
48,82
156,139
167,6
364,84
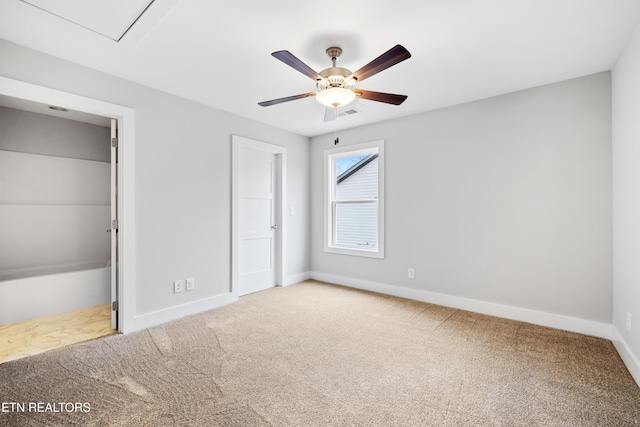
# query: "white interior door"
257,228
114,226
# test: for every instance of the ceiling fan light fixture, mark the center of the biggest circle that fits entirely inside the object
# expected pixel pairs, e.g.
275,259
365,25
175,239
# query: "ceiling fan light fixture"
335,97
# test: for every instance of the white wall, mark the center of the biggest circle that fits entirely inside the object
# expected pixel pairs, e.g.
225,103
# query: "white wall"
46,295
626,202
183,187
505,200
54,211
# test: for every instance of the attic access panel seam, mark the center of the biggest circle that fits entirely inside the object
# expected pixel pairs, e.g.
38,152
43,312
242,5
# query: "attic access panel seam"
109,18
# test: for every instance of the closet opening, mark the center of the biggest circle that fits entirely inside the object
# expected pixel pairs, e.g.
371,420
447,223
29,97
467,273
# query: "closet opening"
59,222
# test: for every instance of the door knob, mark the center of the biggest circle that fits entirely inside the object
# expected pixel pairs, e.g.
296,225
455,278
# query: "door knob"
274,227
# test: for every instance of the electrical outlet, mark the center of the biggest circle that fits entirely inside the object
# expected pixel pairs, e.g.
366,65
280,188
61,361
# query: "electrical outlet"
628,321
411,273
178,286
191,283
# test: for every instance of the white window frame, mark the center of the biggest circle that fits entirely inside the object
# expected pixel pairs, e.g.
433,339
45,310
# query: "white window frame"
329,198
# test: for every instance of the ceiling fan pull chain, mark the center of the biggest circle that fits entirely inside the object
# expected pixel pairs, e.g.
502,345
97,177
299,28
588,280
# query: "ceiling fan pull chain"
337,140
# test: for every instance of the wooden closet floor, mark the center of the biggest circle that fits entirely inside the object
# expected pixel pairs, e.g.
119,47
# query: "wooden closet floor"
35,336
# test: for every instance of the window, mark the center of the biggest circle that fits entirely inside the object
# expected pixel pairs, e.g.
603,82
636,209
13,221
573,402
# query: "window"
354,208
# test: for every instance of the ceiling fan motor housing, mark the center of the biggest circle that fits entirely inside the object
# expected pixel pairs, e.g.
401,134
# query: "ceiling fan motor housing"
335,77
334,52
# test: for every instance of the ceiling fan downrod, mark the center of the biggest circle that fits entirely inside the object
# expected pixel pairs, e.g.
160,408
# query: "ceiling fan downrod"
334,53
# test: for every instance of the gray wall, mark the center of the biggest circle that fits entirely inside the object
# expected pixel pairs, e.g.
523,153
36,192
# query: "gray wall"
28,132
506,200
183,178
626,196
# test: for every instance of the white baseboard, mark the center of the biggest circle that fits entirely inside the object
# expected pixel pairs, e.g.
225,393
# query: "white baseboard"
630,360
172,313
557,321
297,278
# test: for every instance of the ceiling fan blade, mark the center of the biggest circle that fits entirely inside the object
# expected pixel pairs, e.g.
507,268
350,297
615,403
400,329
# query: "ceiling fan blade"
330,114
389,98
391,57
292,61
286,99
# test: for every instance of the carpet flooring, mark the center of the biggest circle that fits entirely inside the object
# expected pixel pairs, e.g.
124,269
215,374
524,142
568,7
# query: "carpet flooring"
314,354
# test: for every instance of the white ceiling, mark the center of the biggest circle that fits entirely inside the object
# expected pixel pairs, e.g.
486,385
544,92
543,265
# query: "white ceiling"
218,53
111,18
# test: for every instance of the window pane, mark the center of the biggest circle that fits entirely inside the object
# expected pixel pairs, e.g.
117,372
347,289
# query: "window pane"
356,224
357,177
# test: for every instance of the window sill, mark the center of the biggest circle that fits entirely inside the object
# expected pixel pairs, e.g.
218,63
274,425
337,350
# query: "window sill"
367,253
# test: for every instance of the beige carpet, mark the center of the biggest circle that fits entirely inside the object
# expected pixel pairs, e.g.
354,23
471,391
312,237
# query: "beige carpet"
321,355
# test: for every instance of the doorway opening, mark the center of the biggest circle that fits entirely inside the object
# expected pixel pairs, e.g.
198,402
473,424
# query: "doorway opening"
58,174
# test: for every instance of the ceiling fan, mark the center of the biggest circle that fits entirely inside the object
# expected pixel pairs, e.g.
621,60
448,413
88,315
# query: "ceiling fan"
335,84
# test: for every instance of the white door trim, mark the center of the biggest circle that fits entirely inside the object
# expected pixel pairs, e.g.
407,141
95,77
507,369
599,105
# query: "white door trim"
126,173
113,236
281,237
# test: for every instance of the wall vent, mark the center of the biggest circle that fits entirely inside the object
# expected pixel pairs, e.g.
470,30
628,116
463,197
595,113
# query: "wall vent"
349,112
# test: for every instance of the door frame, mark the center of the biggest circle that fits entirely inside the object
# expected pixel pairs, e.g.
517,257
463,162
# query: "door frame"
126,173
280,152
